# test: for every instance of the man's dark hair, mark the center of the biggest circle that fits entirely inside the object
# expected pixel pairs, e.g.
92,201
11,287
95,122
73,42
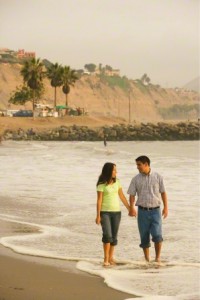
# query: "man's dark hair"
144,159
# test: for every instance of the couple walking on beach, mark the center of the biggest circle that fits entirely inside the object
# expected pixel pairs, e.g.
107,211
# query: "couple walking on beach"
148,186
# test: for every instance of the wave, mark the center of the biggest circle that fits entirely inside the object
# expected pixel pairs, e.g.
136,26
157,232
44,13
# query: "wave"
105,150
36,231
149,280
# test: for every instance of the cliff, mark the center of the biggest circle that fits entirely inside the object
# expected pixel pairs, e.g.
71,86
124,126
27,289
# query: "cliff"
110,97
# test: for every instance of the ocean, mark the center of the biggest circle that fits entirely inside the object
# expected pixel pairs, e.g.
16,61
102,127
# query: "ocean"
50,187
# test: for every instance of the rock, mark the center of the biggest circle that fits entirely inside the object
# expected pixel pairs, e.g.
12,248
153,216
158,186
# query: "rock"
145,131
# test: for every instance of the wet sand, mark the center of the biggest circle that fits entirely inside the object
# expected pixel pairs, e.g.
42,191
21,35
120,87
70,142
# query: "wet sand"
25,277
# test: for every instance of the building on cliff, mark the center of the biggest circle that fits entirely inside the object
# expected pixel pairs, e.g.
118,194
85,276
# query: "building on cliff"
22,54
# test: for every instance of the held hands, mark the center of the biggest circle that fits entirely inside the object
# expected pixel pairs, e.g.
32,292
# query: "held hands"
132,212
98,220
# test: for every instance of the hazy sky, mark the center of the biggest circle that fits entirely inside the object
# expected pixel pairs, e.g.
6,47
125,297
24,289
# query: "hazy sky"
157,37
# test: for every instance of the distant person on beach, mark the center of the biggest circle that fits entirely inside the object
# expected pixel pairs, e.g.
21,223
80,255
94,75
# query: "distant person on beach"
109,191
104,140
148,185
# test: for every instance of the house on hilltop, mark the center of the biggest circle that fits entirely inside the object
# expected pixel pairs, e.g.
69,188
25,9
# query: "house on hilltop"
7,55
113,72
92,69
22,54
5,52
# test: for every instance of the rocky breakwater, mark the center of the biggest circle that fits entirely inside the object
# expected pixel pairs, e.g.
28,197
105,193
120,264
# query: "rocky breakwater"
134,132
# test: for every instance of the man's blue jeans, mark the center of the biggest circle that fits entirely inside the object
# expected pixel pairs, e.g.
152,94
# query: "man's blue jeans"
149,223
110,224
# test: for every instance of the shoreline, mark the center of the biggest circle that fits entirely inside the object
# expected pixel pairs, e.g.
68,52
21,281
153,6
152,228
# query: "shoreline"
25,277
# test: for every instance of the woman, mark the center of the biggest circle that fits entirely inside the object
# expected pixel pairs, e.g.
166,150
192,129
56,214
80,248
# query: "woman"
109,191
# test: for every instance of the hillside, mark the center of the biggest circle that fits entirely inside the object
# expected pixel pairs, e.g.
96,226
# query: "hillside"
109,97
193,85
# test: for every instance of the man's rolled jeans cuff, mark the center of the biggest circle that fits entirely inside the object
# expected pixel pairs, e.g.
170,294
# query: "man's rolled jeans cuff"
157,239
145,246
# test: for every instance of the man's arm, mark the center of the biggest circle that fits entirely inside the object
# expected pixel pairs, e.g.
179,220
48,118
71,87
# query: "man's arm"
165,204
133,212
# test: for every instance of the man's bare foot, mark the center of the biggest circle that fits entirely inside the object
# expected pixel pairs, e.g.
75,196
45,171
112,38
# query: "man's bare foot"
157,260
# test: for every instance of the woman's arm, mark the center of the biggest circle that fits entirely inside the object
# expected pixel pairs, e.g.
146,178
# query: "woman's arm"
99,202
123,199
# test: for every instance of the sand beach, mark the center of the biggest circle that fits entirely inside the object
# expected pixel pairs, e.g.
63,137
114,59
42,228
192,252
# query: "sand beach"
44,216
40,124
25,277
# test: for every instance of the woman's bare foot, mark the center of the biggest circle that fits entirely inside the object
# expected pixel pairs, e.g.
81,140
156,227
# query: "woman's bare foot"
112,262
106,264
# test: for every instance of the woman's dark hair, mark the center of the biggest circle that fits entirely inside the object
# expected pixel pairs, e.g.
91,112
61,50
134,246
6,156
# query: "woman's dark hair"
144,159
106,174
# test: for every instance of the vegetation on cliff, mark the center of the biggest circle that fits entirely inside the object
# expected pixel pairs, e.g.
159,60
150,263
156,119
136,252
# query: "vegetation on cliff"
33,72
100,91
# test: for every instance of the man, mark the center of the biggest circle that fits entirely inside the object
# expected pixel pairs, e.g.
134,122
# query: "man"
148,186
104,140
